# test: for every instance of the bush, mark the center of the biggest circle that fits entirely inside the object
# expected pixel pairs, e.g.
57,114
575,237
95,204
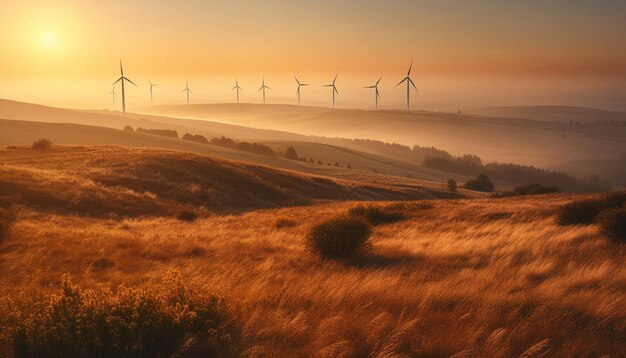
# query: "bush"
616,199
579,212
374,215
162,132
129,128
481,183
128,322
7,219
42,144
195,138
187,215
452,186
291,153
284,222
613,224
340,237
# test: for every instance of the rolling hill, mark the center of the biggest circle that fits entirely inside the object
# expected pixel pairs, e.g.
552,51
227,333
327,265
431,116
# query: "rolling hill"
135,182
521,141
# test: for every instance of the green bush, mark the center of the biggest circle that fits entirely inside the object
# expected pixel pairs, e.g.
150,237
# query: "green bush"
42,144
613,224
128,322
340,237
375,215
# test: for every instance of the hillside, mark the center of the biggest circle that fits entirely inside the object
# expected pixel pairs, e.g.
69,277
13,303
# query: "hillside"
462,278
134,182
521,141
563,114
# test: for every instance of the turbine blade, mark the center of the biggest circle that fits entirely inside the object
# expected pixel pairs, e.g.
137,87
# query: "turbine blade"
369,87
327,85
404,79
259,90
119,79
413,84
130,81
410,66
304,84
335,89
335,79
381,77
296,79
268,87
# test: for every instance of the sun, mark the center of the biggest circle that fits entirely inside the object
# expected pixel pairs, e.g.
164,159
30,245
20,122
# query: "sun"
48,39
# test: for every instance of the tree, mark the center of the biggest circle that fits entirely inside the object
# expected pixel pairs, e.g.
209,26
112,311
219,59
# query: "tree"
481,183
452,185
291,153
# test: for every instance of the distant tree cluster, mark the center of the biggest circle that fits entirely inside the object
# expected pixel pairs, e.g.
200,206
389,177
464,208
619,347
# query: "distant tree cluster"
129,128
256,148
481,183
196,138
162,132
472,165
416,153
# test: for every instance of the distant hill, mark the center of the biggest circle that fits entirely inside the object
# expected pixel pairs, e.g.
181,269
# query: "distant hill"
502,139
108,180
565,114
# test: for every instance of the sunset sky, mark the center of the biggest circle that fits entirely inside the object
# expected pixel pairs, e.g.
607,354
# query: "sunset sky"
466,53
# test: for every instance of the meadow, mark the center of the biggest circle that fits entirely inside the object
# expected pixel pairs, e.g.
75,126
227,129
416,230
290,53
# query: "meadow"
464,277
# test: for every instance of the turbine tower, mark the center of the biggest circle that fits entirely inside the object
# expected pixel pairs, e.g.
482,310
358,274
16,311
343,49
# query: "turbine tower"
112,93
409,83
299,85
377,97
237,88
151,85
187,90
263,87
334,88
122,78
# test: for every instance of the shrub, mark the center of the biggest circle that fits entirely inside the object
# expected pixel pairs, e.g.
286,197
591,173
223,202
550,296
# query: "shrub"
195,138
613,224
128,322
283,222
481,183
291,153
452,186
340,237
7,220
579,212
187,215
162,132
616,199
42,144
129,128
375,215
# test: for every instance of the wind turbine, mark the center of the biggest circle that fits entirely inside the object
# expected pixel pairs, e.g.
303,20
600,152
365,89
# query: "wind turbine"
122,78
237,88
113,94
151,85
409,83
334,88
263,87
299,85
187,90
376,87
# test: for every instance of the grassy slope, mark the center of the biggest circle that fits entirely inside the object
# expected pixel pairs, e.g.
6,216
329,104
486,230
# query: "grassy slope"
482,278
25,132
133,182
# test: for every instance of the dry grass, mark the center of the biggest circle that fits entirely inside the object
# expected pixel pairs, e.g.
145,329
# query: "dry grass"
459,277
475,278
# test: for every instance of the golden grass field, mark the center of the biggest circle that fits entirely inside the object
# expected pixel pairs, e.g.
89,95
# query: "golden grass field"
464,277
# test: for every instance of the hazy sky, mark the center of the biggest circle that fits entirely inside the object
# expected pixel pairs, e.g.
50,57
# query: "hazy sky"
466,53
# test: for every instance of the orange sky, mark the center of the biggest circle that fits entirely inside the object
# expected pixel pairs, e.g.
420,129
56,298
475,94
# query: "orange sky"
66,52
